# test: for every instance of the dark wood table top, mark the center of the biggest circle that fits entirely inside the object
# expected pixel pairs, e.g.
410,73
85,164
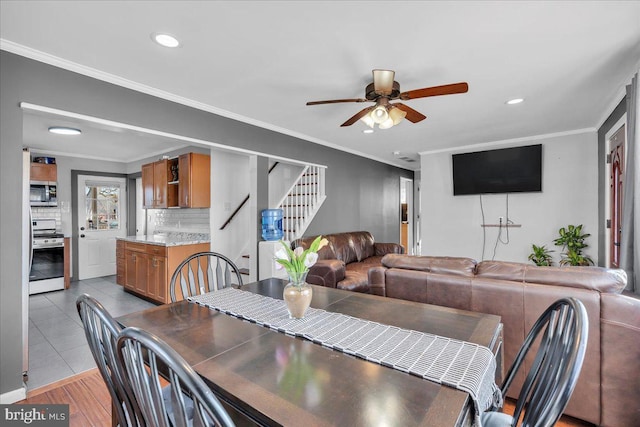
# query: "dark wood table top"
276,379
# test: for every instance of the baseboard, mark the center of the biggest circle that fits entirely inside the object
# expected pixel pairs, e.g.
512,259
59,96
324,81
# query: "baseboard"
13,396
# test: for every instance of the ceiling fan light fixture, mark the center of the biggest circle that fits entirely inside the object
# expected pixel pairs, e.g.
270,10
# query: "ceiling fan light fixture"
379,114
386,124
368,120
397,115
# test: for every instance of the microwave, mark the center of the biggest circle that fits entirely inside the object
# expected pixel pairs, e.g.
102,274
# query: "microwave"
43,193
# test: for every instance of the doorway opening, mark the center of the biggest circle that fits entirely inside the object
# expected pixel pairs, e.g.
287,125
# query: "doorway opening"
407,239
615,159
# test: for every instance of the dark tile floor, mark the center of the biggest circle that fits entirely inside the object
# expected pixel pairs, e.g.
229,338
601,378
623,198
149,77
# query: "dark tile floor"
57,346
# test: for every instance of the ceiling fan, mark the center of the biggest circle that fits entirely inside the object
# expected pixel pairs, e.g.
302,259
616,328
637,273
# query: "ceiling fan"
384,89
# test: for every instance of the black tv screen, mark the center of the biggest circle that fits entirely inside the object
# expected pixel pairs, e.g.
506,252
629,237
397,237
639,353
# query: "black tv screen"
508,170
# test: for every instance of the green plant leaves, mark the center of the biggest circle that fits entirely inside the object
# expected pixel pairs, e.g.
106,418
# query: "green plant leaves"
572,240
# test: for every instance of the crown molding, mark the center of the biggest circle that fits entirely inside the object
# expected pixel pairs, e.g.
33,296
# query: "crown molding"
510,141
55,61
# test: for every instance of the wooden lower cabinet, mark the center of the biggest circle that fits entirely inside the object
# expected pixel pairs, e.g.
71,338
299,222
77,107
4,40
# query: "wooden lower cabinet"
157,284
148,268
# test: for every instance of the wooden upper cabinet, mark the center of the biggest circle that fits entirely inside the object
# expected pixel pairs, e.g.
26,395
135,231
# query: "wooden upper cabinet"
160,184
157,192
194,188
183,182
44,172
148,190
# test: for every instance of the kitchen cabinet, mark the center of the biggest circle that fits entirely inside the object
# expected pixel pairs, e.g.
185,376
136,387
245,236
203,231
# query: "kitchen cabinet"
148,267
43,172
184,181
194,185
157,191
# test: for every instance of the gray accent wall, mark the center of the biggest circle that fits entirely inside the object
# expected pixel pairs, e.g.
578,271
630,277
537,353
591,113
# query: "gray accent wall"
362,194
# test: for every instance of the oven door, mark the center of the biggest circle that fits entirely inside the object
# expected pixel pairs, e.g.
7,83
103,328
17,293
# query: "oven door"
47,270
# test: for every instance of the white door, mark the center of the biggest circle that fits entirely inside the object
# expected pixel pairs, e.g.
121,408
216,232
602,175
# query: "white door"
102,217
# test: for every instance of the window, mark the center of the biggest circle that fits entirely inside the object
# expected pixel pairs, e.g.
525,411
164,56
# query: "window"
102,206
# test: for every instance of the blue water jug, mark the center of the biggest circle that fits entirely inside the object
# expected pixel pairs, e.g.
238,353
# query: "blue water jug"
272,224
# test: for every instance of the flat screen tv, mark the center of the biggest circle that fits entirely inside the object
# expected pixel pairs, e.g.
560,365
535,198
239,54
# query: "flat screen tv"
508,170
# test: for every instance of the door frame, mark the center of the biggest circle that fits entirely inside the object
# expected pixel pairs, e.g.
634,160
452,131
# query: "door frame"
75,200
408,185
607,192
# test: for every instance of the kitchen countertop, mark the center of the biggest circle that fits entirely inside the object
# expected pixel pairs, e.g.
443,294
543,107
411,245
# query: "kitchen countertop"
169,239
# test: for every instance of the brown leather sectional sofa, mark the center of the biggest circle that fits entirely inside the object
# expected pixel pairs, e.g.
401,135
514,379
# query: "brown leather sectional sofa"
608,391
344,263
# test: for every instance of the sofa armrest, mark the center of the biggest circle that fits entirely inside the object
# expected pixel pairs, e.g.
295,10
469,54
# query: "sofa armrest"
388,248
377,280
326,272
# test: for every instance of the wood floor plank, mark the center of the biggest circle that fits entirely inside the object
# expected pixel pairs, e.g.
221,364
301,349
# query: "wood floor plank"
95,413
98,389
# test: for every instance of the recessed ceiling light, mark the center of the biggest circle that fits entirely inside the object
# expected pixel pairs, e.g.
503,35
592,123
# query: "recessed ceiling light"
514,101
367,131
166,40
61,130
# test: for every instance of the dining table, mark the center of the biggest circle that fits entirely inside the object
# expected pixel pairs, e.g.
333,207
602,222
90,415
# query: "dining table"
267,377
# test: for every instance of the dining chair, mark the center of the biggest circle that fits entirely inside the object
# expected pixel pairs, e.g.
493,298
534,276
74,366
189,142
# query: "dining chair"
554,370
102,332
203,272
189,401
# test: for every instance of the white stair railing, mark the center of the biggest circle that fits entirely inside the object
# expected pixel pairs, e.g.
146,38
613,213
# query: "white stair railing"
302,201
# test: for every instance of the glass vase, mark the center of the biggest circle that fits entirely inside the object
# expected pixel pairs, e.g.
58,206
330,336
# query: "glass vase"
297,295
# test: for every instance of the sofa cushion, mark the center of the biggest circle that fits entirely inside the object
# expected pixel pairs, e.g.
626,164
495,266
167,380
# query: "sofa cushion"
355,280
327,252
363,244
439,265
501,270
604,280
600,279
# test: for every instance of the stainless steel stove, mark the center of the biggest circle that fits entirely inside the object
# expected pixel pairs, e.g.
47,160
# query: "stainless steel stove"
47,257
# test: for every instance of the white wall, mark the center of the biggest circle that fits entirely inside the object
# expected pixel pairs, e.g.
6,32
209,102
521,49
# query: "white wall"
229,186
452,225
281,179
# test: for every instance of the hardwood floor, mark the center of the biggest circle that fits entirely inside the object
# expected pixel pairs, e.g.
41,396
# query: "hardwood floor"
90,403
87,395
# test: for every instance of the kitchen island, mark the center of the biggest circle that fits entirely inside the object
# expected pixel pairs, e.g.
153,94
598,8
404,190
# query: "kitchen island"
145,263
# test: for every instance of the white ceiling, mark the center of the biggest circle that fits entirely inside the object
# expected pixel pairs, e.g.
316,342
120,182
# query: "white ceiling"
260,62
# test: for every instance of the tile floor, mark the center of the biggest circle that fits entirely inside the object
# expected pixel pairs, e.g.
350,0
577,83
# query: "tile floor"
57,345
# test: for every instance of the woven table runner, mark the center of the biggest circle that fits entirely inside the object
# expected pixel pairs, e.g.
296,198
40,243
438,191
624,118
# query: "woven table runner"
459,364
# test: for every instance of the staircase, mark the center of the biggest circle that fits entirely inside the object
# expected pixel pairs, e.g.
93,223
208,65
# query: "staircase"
302,202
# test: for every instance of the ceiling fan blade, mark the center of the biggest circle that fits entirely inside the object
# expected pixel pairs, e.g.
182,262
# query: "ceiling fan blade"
412,115
357,117
383,81
435,91
335,101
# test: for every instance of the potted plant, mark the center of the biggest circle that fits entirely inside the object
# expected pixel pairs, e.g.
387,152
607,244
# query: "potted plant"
297,293
572,240
541,256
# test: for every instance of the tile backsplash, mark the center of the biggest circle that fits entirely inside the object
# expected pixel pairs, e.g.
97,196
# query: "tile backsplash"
178,221
47,213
